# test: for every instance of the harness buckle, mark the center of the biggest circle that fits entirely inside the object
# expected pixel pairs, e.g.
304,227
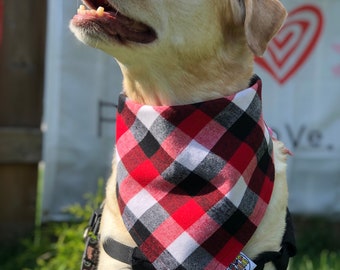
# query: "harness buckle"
91,237
92,228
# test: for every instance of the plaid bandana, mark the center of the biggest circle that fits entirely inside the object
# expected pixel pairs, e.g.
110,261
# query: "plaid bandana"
194,181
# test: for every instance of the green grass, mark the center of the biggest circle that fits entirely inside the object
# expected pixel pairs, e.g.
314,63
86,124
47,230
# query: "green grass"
326,260
53,246
318,244
59,246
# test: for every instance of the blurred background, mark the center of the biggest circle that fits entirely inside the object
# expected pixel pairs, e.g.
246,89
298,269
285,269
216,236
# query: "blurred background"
57,120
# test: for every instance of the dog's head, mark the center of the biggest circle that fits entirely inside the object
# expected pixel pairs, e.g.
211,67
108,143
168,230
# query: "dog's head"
183,34
150,23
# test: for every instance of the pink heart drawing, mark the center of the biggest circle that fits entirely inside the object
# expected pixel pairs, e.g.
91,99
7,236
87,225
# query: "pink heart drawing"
294,43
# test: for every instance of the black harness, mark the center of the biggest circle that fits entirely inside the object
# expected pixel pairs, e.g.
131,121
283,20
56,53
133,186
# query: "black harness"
135,258
91,236
280,259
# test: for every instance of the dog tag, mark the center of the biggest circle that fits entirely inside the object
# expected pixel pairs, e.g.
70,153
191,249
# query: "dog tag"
242,262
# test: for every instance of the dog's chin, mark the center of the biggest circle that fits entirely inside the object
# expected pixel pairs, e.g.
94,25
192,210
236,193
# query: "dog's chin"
100,22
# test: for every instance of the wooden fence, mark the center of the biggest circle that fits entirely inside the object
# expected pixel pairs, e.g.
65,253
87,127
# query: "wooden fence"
22,49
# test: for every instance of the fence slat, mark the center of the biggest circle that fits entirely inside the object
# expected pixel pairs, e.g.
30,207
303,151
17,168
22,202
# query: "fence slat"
22,52
20,145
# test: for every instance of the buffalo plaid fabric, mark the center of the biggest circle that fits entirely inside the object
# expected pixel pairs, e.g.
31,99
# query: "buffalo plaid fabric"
194,181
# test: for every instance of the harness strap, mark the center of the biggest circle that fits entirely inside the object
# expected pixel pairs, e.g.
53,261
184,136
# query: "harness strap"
126,254
91,236
280,259
135,258
122,252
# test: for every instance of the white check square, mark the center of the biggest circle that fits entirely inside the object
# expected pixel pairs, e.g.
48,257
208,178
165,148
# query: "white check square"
192,155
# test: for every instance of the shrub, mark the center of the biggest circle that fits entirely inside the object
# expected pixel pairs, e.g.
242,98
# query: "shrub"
54,246
59,246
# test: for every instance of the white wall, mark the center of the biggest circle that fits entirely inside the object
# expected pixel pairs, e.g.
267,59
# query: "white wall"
79,137
304,108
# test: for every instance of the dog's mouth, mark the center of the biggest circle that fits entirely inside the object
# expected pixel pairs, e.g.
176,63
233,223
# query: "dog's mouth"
100,17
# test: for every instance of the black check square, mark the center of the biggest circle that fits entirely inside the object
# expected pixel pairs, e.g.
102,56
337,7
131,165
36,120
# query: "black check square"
140,232
229,115
222,211
175,173
149,144
234,222
193,184
241,129
210,166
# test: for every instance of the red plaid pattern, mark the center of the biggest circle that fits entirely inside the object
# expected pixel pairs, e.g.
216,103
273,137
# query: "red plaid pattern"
194,181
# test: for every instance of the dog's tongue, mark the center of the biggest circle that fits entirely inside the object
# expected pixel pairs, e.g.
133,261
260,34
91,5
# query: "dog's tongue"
113,24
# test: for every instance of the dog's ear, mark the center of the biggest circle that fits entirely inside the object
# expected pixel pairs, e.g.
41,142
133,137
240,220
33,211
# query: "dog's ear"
261,18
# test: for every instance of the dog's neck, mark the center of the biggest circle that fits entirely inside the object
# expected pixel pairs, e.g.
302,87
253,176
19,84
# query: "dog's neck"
180,82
